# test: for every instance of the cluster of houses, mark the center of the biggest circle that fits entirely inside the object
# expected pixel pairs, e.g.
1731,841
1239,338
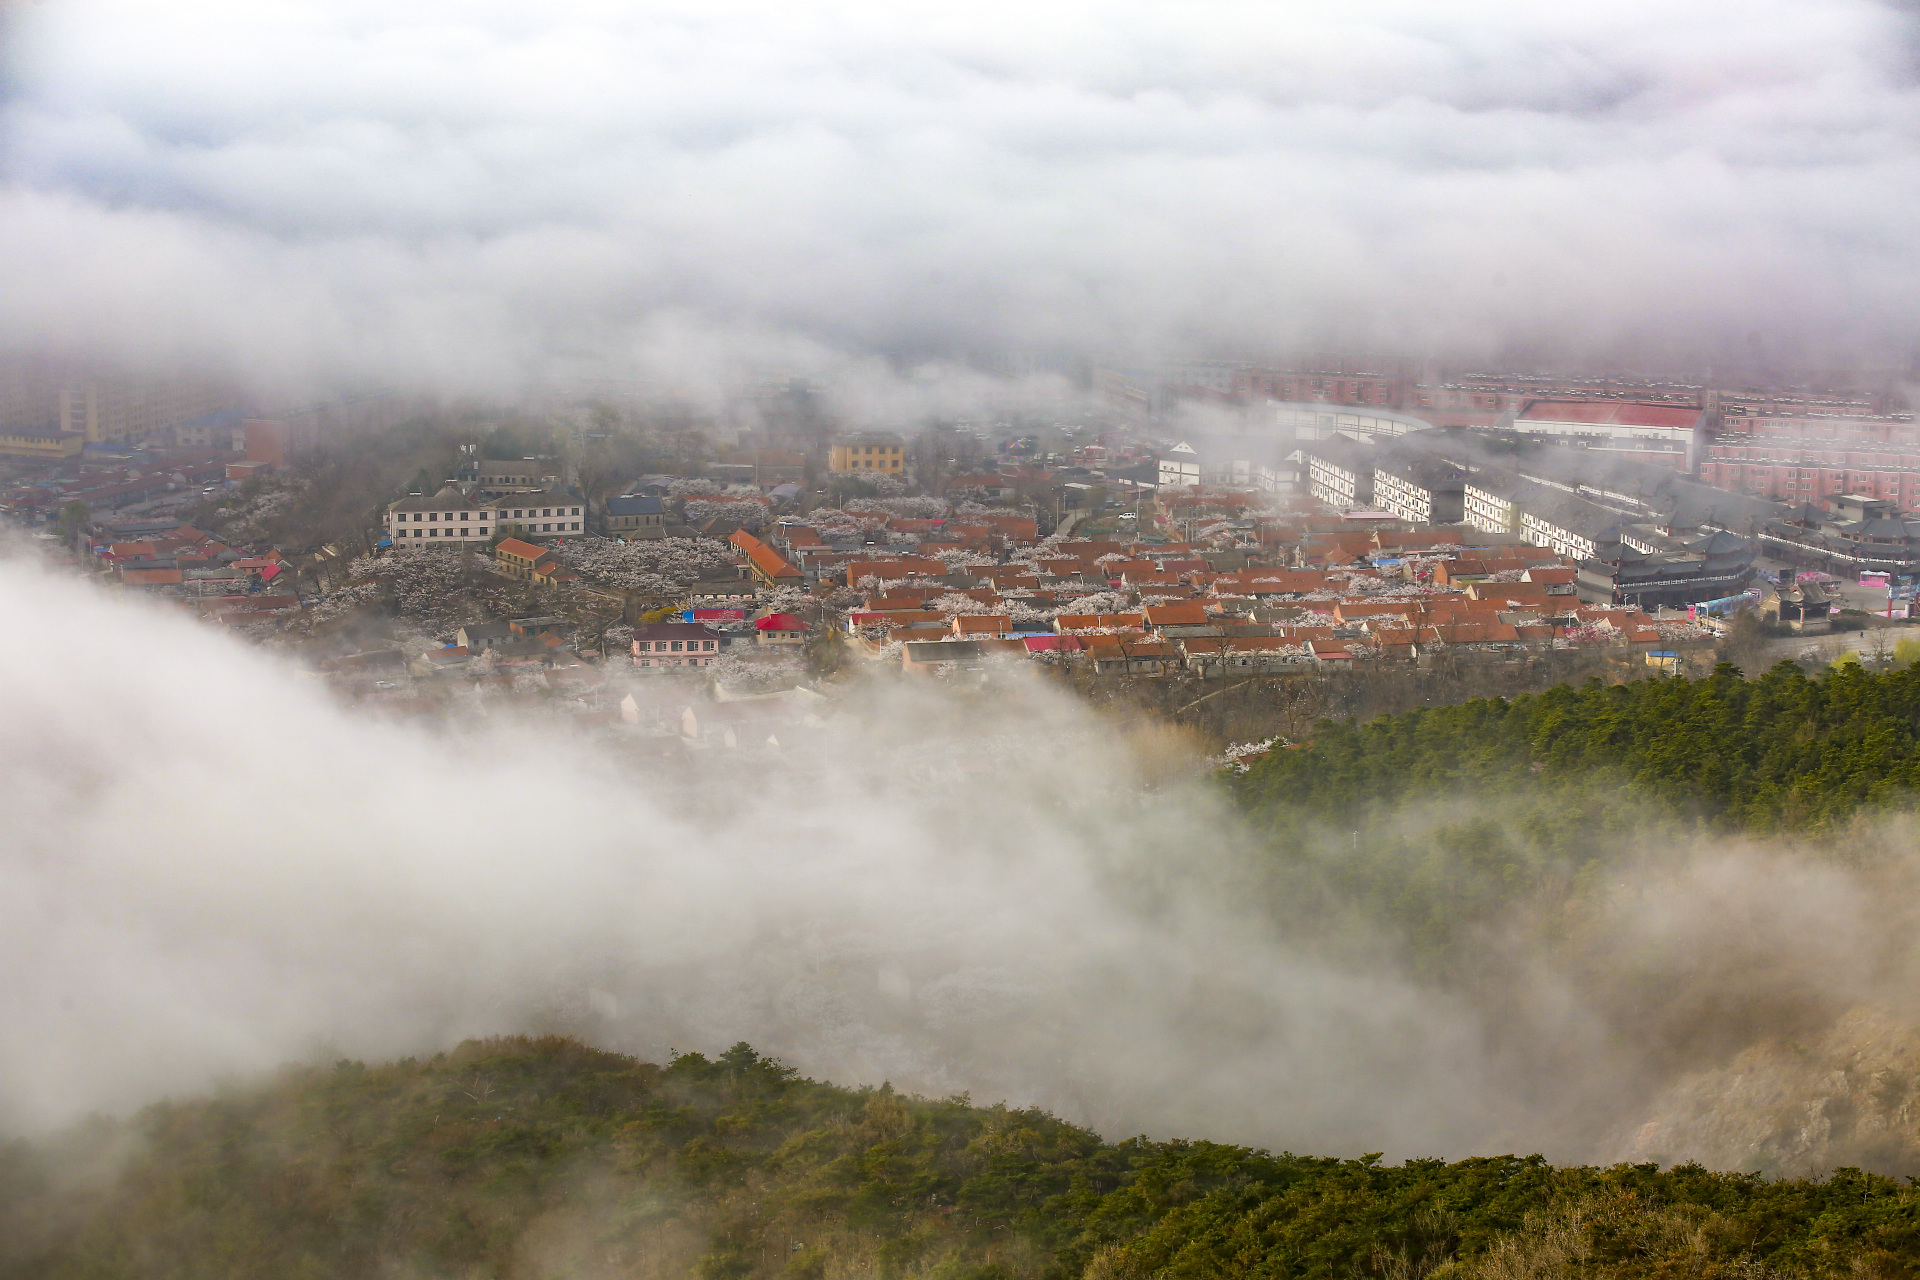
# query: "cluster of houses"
1178,614
124,479
1255,595
1198,584
232,584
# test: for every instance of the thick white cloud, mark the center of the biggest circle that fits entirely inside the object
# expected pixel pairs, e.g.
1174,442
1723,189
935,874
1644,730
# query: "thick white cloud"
479,191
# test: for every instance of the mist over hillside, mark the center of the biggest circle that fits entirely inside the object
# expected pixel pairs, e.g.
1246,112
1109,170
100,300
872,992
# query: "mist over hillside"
755,640
213,869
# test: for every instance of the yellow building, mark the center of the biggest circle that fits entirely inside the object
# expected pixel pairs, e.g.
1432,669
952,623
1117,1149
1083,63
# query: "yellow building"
45,442
884,454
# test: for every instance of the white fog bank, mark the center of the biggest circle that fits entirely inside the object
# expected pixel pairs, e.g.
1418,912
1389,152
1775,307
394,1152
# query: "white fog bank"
463,194
207,868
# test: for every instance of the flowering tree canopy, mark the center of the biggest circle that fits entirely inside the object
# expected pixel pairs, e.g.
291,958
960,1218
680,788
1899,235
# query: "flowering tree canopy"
912,507
953,602
660,565
961,558
748,514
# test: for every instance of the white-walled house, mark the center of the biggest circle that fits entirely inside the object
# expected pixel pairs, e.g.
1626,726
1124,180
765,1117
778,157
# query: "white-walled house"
674,644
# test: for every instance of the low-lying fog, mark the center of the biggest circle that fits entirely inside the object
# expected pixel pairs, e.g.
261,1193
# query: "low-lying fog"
209,868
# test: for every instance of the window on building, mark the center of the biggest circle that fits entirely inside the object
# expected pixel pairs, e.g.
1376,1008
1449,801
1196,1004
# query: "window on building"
676,646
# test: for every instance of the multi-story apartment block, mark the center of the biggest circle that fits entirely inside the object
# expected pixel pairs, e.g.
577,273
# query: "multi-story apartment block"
1339,473
1886,431
139,410
542,514
450,518
496,477
1812,480
1571,529
1321,386
1491,503
1666,434
447,519
1418,490
867,454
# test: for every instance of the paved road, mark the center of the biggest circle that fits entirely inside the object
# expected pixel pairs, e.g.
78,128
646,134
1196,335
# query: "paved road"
1832,646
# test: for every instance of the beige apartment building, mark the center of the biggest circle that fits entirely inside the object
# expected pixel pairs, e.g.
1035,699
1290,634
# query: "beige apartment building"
132,410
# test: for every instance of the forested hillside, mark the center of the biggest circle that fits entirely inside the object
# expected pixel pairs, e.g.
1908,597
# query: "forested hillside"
1785,752
1431,828
520,1158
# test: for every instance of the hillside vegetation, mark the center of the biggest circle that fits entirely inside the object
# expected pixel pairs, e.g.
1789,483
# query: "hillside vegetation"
1786,752
523,1158
1441,827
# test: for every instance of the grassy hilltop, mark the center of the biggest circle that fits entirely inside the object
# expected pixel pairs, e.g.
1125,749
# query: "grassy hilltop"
521,1158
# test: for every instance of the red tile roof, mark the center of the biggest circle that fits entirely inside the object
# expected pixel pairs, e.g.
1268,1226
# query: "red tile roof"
770,563
521,550
1190,614
1613,413
991,624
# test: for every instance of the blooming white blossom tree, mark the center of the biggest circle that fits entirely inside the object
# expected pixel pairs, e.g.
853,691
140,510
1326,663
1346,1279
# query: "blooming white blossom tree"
759,673
836,524
910,507
953,602
685,488
348,599
789,600
961,558
751,516
437,588
248,521
659,565
1094,602
1235,757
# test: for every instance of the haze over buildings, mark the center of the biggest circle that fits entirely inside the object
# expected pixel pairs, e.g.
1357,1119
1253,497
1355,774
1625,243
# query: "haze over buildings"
465,196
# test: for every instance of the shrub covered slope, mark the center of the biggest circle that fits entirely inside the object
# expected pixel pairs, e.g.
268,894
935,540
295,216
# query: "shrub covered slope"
516,1158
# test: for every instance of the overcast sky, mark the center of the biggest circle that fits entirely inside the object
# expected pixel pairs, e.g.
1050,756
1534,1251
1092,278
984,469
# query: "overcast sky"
472,192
